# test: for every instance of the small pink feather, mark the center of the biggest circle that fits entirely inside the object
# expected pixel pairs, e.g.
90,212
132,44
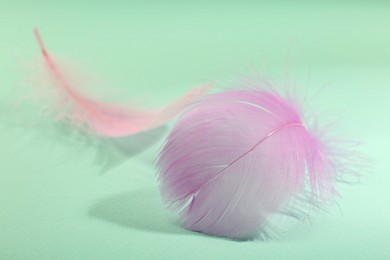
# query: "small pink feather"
108,119
236,158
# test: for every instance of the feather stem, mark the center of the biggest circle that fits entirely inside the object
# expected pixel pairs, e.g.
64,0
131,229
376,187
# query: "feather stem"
241,156
57,74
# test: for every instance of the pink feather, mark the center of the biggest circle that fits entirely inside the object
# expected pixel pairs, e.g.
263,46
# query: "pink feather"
235,159
232,162
103,118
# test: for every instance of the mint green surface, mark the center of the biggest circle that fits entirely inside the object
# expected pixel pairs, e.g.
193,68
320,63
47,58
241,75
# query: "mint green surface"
54,203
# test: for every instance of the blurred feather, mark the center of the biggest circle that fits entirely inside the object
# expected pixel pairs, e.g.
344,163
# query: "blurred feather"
102,118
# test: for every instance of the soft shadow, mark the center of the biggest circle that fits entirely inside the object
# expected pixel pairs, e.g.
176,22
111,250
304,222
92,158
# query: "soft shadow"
141,209
111,152
106,153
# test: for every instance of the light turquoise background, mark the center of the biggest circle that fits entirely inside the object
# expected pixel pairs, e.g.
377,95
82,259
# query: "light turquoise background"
54,204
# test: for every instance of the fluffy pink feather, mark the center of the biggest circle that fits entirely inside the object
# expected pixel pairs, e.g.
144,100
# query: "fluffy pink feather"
236,158
103,118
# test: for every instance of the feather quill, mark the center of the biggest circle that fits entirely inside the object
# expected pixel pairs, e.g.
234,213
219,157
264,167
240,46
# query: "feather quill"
107,119
236,158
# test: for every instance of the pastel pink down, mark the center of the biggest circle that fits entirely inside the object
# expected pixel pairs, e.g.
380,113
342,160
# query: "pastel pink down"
236,158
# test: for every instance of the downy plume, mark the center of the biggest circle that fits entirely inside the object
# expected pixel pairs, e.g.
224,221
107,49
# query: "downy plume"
237,158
